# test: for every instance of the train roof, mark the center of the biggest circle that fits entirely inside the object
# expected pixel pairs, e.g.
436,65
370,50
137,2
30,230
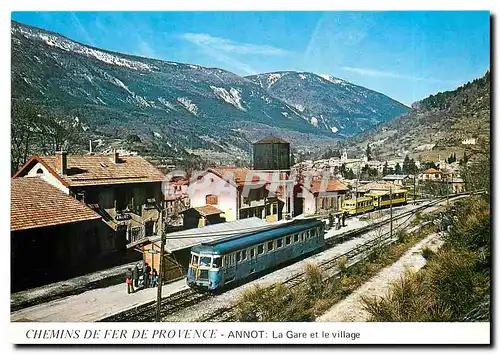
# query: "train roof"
230,244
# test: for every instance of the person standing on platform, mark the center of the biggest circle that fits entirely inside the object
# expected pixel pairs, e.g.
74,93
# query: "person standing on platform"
147,271
136,274
155,278
130,286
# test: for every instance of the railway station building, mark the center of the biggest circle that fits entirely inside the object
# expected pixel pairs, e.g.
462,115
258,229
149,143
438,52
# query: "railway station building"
53,235
124,190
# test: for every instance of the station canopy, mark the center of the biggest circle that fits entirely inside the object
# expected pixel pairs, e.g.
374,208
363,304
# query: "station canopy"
180,240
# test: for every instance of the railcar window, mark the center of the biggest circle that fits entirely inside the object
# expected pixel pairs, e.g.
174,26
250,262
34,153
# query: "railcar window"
288,240
279,243
296,238
252,252
238,257
270,246
217,262
260,249
302,236
195,259
205,261
243,254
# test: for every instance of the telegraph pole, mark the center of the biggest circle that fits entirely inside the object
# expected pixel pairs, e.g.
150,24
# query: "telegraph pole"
390,198
450,183
414,190
160,272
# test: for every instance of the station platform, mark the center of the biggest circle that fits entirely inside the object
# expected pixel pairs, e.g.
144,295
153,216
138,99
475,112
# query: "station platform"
93,305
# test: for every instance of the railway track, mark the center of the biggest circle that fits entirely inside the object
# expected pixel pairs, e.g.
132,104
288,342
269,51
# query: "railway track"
330,266
190,297
169,305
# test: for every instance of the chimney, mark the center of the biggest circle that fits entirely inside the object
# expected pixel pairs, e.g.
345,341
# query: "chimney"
62,162
115,158
90,147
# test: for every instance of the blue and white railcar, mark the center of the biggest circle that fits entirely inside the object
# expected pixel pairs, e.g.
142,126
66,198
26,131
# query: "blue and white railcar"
218,263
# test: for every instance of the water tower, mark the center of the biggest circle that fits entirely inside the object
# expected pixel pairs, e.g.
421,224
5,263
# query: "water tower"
271,154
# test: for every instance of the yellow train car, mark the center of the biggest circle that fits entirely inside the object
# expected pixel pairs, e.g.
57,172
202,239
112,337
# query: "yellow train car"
357,206
382,199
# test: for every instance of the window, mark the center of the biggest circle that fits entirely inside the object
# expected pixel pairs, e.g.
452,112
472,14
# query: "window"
243,254
296,238
260,249
252,252
148,228
279,243
238,257
205,261
302,236
217,262
270,246
39,171
211,199
288,240
194,260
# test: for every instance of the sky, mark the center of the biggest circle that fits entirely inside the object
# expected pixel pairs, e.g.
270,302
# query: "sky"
405,55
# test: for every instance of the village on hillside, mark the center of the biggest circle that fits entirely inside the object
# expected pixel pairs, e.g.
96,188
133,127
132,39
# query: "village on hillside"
113,205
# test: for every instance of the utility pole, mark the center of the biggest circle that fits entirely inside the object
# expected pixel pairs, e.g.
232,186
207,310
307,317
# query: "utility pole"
448,191
390,199
160,272
414,190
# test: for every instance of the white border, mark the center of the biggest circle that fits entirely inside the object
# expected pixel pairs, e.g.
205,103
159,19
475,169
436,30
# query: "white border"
446,330
252,333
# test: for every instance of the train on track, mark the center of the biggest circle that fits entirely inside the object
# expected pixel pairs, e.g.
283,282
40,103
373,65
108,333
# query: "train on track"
374,200
217,264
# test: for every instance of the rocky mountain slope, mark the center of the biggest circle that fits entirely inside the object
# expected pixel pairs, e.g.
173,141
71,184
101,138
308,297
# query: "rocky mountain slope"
448,122
169,110
331,104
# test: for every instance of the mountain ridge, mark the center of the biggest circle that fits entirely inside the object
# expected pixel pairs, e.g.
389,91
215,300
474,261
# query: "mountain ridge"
177,111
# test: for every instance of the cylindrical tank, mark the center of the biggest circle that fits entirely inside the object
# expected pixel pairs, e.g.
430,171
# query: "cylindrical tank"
271,154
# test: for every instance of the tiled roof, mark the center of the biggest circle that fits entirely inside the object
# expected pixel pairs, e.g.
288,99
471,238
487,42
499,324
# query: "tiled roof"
35,203
87,170
241,176
432,170
333,185
208,210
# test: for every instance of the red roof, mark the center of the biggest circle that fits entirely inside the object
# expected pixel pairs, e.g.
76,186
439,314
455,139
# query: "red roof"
205,210
241,176
432,170
333,185
87,170
34,203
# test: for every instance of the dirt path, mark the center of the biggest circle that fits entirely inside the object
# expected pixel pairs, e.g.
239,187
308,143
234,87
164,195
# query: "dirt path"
351,310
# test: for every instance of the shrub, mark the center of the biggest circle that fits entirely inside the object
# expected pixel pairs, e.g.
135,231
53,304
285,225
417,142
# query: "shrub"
342,264
427,252
314,279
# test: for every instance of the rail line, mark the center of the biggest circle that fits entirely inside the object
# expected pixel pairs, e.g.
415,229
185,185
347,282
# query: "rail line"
354,255
173,303
189,297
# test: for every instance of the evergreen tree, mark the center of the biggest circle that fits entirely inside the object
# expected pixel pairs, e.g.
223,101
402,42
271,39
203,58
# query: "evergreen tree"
368,153
397,169
413,167
385,170
406,165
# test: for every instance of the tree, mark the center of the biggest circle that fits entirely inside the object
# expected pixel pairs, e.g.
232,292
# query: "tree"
406,165
385,170
368,153
397,169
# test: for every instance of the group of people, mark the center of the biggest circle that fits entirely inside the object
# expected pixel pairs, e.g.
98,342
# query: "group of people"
141,278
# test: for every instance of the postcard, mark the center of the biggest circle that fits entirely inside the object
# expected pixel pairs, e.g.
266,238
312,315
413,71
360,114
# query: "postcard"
250,177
